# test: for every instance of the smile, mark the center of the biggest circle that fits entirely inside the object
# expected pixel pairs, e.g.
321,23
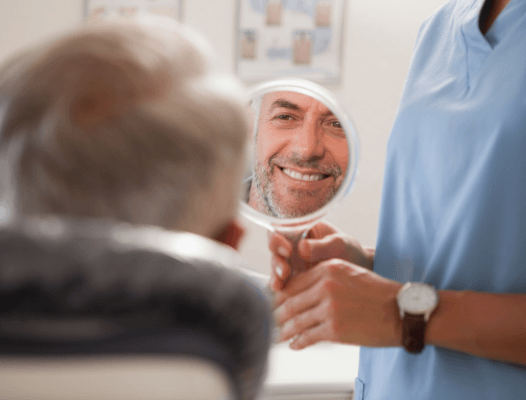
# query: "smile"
303,177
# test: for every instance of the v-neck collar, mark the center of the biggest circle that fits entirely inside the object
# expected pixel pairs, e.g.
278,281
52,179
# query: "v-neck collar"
504,22
478,46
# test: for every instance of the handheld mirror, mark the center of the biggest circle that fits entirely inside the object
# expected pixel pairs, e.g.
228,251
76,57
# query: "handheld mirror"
303,157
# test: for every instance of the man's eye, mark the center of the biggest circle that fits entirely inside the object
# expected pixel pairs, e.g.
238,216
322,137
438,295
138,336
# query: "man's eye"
334,127
335,124
284,117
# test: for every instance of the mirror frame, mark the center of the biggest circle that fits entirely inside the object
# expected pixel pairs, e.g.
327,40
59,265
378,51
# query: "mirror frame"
324,96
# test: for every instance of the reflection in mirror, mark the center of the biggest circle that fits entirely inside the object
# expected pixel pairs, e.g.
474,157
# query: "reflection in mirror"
300,155
304,155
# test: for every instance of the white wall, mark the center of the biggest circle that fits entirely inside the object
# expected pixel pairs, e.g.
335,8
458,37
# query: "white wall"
23,22
378,40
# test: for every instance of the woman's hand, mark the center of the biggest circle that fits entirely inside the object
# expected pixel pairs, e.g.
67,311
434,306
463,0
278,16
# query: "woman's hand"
323,242
340,302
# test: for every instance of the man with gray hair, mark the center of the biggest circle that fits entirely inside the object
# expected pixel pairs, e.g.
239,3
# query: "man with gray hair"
108,129
300,155
126,121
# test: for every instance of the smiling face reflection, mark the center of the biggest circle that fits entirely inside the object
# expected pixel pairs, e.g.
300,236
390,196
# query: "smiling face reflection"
301,155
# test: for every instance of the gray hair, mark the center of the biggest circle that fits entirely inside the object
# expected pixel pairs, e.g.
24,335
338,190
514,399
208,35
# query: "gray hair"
124,120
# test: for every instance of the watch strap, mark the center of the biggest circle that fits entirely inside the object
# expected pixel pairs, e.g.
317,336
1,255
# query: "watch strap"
413,330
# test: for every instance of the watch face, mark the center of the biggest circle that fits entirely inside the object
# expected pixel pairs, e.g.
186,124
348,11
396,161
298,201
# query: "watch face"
417,298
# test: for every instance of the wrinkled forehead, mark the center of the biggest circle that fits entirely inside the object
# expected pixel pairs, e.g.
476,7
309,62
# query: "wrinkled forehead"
291,100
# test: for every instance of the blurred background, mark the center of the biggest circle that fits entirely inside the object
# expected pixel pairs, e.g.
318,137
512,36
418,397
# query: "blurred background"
378,38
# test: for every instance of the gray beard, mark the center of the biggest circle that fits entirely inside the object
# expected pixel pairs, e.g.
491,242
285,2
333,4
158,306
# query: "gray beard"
267,191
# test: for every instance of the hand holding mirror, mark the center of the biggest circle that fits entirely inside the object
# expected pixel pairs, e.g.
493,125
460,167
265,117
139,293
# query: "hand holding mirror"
304,154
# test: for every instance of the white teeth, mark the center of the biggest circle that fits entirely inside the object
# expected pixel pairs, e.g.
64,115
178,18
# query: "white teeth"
306,177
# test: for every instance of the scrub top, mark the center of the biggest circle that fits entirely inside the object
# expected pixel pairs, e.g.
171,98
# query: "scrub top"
453,210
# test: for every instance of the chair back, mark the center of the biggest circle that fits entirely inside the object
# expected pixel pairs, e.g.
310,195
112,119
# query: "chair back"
92,310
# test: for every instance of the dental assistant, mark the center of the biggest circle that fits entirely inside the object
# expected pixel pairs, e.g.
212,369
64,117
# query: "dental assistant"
453,216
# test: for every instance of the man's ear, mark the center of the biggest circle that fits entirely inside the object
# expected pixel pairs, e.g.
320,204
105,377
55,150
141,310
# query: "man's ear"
231,234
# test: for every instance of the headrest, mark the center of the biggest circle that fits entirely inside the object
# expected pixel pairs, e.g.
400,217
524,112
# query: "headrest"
84,287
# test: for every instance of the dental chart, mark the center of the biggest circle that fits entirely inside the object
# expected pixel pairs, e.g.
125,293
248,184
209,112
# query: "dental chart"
284,38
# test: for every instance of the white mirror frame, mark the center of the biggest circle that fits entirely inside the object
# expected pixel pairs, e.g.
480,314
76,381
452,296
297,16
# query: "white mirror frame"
321,94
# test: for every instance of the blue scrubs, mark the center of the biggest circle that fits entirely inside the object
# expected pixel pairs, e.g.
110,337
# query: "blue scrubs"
453,210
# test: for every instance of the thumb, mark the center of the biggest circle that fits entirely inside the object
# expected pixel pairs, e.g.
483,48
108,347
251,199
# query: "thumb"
317,250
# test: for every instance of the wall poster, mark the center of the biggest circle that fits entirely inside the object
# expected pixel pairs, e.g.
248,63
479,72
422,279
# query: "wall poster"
289,38
171,8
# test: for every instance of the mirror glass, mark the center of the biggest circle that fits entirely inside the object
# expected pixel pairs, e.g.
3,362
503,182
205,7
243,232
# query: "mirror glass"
303,154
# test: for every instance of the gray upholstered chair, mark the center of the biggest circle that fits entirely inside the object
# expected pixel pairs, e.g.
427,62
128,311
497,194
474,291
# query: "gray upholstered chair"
104,311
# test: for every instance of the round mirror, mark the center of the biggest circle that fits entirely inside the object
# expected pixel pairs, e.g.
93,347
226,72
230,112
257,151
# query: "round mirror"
303,155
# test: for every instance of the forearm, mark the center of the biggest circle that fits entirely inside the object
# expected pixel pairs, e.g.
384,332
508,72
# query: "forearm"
487,325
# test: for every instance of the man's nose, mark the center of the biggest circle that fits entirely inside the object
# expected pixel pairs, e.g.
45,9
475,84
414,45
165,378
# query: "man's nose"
308,141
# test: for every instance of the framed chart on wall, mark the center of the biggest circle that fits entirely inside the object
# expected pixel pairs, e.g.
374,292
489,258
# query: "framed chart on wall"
127,8
285,38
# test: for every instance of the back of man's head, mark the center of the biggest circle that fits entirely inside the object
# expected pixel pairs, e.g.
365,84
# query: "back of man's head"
124,120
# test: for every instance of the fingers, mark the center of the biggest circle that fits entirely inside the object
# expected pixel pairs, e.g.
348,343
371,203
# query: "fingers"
297,304
309,327
279,245
322,229
340,302
317,250
319,243
306,308
281,250
323,242
336,245
299,284
280,272
300,324
308,337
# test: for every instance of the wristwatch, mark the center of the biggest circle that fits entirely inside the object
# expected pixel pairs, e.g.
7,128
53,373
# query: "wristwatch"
416,301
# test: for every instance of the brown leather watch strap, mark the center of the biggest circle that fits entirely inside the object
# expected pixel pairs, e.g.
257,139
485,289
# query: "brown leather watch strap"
413,330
